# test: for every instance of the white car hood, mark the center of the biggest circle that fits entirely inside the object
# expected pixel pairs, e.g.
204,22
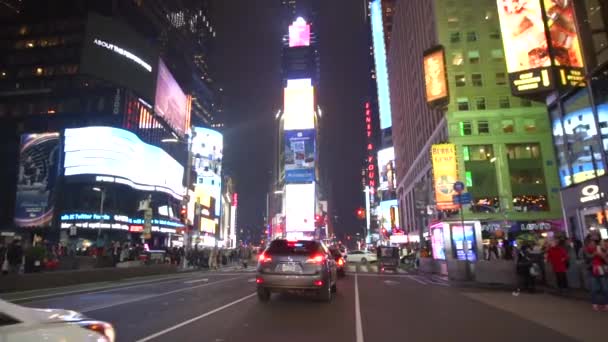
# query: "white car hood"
31,315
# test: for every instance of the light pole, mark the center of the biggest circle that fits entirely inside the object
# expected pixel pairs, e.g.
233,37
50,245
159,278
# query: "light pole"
103,197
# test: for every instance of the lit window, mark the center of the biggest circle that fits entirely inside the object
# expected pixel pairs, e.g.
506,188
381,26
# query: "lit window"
504,102
465,127
454,37
471,36
457,58
474,57
39,71
461,80
495,34
30,44
489,15
476,80
498,55
453,21
501,78
483,127
480,103
463,103
507,126
529,125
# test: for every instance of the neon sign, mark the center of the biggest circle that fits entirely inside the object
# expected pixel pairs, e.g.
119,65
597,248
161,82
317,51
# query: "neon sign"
123,52
371,163
299,33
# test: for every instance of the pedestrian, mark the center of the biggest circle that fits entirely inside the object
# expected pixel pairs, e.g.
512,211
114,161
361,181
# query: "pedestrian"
4,267
245,255
558,257
596,260
526,270
212,259
493,249
14,255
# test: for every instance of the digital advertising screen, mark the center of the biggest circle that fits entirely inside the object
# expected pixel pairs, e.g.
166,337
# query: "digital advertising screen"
565,45
114,52
170,102
38,169
388,213
382,77
300,207
299,105
299,156
463,242
438,243
435,77
299,33
445,174
386,169
119,156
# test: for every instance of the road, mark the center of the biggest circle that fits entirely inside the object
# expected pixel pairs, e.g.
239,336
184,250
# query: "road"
222,306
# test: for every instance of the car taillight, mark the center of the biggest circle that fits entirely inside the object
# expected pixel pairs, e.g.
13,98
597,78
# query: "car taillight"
259,280
340,262
318,282
264,258
316,259
102,328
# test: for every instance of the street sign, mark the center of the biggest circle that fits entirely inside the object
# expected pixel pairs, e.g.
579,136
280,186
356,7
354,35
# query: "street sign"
458,186
463,198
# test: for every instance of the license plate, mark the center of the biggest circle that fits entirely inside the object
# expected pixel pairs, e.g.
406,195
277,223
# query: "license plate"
290,268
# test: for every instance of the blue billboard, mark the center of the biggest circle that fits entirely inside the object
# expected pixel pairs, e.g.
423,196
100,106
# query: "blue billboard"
38,169
300,156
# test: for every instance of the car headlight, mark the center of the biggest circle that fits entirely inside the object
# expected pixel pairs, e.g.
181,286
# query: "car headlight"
103,328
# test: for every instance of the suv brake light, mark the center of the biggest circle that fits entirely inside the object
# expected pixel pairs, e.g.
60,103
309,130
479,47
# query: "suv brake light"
264,258
102,328
316,259
340,262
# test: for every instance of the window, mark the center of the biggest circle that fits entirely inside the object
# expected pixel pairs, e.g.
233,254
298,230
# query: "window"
466,128
460,80
480,103
463,103
526,103
453,21
497,55
480,176
527,177
476,80
471,36
474,57
504,102
523,151
501,78
530,125
454,37
495,34
483,127
457,58
508,126
478,152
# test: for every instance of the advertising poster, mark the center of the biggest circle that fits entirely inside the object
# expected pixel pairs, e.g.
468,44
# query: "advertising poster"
523,35
300,207
207,148
299,105
437,243
386,167
388,219
435,81
464,242
38,167
565,44
170,102
445,174
300,156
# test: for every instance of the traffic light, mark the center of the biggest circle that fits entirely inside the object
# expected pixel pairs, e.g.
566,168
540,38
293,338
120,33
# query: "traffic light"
360,213
183,214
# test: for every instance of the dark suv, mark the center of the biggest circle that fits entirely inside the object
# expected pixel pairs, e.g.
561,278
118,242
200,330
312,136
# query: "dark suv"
294,266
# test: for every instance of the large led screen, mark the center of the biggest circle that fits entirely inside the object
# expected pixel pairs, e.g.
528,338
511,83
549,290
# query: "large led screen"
38,167
114,52
117,155
300,156
386,169
384,96
388,212
299,105
445,174
207,148
299,33
565,44
300,207
170,102
435,81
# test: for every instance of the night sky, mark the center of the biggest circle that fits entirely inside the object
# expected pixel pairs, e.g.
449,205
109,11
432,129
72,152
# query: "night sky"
246,62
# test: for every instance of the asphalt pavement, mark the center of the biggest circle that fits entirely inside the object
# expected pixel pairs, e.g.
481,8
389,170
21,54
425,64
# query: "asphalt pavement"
222,306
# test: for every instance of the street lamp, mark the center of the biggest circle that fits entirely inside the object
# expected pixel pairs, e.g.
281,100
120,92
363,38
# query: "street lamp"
103,197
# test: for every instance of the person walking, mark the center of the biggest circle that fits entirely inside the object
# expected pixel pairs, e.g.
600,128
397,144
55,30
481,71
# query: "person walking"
558,257
14,255
3,260
526,270
245,255
596,260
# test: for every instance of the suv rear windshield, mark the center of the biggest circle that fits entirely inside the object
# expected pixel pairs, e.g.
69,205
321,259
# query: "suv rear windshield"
335,252
293,247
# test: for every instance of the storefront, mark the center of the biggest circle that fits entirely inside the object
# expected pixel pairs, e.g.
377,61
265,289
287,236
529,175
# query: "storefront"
585,208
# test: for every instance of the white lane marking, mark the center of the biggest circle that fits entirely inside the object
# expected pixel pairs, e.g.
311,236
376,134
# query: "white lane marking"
137,299
363,268
252,280
391,282
196,281
358,324
419,281
209,313
94,290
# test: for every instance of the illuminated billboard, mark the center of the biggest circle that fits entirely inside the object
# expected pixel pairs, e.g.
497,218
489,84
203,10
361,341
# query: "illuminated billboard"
382,80
300,156
299,102
445,174
114,52
386,169
532,60
299,33
300,207
119,156
170,102
435,79
38,168
388,214
207,148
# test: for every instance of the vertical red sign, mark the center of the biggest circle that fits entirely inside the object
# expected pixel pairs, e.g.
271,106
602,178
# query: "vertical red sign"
371,164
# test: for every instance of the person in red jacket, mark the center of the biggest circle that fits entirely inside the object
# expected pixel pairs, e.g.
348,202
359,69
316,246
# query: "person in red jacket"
557,256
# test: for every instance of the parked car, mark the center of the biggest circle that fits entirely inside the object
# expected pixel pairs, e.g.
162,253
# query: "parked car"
361,256
23,324
296,266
